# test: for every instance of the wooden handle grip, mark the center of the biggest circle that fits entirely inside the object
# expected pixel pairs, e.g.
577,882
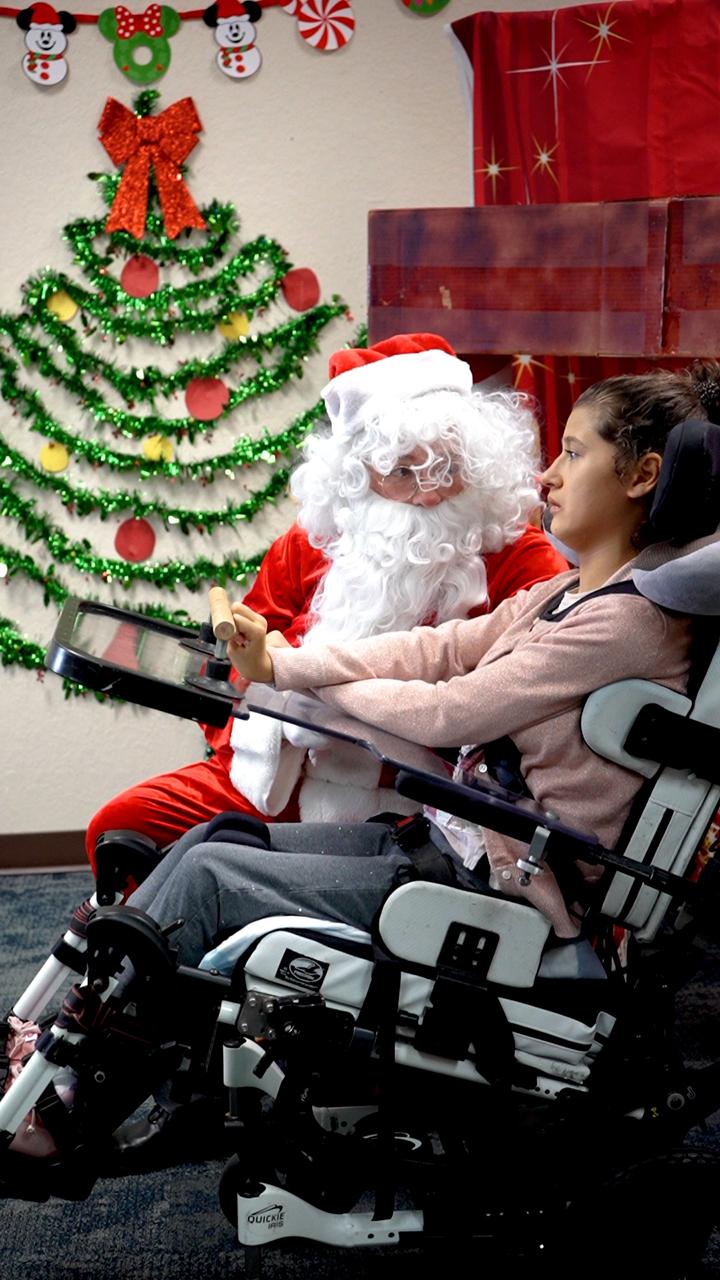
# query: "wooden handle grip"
222,620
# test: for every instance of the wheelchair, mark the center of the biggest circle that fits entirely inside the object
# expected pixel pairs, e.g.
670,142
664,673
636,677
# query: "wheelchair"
448,1075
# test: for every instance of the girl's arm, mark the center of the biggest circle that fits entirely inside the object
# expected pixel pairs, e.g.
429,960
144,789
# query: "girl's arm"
425,653
539,679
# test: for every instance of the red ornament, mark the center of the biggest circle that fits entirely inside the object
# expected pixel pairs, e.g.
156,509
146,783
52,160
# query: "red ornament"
206,398
301,288
140,276
135,540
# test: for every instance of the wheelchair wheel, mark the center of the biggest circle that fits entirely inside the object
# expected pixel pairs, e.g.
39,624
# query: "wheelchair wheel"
654,1217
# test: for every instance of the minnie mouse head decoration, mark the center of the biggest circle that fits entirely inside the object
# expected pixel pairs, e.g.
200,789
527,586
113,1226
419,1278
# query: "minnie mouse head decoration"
46,33
235,33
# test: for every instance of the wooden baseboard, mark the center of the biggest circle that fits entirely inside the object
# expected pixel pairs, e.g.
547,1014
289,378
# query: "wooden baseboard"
31,851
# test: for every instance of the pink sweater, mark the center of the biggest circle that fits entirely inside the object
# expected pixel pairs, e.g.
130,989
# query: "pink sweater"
509,673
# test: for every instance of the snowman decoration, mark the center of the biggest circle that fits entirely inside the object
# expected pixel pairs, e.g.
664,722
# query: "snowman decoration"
46,33
234,32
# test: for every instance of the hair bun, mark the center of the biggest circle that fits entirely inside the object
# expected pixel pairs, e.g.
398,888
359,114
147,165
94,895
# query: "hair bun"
705,376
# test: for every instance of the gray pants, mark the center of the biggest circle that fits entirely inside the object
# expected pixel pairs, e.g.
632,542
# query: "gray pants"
318,869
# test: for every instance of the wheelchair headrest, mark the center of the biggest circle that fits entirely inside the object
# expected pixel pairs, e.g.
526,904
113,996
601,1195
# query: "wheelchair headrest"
681,568
687,498
685,578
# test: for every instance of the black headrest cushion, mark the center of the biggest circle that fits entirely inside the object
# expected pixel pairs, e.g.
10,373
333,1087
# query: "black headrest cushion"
687,498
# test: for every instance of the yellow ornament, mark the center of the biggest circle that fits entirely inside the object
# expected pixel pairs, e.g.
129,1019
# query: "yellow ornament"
62,305
158,449
54,457
234,326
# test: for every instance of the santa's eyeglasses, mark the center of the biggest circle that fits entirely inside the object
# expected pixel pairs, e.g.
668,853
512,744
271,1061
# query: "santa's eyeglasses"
403,483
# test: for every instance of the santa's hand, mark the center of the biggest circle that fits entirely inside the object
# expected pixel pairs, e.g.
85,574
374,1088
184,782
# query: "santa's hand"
276,640
247,649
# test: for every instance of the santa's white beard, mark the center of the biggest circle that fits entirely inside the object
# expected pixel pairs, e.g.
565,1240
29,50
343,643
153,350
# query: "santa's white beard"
394,566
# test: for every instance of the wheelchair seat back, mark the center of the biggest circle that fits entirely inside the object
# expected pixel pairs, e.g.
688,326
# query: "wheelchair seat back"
673,740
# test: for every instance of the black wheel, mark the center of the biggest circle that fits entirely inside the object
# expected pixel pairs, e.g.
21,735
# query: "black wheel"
653,1218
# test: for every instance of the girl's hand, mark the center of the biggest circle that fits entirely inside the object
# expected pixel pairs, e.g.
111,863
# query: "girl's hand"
276,640
248,648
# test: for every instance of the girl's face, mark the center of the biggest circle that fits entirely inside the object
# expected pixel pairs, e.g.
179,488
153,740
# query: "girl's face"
586,497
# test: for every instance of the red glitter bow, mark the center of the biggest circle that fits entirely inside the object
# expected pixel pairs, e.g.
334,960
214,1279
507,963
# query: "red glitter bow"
149,22
140,142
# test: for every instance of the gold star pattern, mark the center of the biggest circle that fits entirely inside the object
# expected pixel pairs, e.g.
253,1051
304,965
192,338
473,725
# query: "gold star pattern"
544,159
554,66
604,33
494,169
524,363
572,378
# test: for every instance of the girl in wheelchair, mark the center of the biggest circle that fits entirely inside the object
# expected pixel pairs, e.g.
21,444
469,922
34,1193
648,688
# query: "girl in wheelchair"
521,674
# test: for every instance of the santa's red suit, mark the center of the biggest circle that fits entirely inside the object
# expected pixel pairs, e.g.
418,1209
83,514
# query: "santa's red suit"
165,806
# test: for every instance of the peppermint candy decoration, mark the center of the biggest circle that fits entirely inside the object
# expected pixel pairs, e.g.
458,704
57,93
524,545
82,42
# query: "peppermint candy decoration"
292,7
326,24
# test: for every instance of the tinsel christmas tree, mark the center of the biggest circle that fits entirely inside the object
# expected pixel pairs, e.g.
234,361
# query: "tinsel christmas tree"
134,403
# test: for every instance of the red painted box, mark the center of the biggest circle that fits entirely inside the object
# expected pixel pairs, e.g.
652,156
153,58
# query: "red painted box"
624,278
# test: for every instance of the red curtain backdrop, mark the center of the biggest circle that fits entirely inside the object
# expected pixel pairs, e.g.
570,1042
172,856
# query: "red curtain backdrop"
593,102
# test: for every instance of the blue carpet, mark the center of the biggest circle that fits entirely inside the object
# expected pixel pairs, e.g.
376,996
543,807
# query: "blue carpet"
167,1225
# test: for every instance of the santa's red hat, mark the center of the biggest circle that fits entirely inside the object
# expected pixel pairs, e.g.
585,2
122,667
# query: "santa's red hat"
399,368
43,15
229,9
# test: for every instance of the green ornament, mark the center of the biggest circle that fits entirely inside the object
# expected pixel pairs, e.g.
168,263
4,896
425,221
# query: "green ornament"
130,32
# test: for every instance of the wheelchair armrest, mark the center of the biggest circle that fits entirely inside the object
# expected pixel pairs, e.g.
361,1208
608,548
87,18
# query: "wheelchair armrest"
610,714
671,739
640,724
502,812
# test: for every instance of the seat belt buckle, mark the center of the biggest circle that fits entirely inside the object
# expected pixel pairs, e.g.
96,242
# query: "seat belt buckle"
411,832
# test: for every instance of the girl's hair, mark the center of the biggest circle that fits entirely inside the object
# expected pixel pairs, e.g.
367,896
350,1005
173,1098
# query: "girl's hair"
638,411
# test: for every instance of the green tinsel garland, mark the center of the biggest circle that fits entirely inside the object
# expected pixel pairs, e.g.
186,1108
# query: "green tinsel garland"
301,339
173,307
244,452
17,650
80,555
82,501
221,219
148,382
55,591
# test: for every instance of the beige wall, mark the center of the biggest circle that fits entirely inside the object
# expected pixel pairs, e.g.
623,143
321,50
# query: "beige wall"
304,149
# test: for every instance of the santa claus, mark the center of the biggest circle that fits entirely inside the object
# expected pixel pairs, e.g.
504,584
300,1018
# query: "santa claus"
413,508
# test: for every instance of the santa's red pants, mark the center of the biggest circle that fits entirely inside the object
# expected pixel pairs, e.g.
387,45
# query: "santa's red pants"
166,806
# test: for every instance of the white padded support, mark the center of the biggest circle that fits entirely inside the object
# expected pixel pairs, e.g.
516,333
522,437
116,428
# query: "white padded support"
609,713
675,815
415,919
224,957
